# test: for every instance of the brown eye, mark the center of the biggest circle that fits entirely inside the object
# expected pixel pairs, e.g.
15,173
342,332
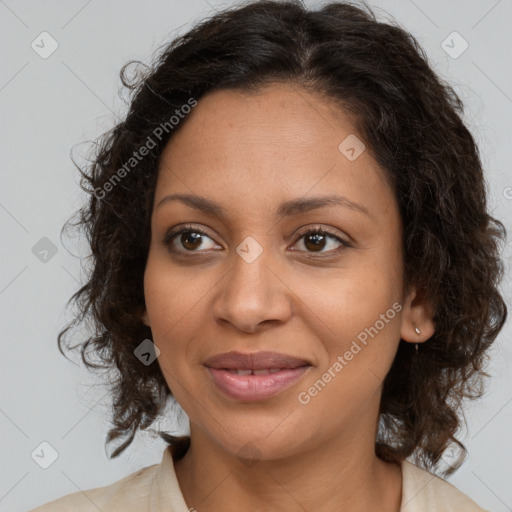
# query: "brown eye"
186,239
316,240
191,240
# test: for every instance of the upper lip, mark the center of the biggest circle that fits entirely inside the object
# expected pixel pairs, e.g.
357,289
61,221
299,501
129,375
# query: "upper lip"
254,361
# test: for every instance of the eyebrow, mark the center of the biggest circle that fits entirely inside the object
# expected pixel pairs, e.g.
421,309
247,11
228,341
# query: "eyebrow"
286,209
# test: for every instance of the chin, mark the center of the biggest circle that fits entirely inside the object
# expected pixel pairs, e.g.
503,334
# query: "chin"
263,442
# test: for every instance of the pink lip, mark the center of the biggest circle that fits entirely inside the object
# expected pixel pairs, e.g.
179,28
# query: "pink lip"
255,387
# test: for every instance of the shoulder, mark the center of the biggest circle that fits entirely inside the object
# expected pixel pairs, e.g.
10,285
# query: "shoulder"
423,491
132,493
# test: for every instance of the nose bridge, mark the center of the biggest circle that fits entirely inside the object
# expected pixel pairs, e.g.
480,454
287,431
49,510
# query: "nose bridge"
251,292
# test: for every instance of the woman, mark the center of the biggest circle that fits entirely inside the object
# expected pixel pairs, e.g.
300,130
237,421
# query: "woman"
291,239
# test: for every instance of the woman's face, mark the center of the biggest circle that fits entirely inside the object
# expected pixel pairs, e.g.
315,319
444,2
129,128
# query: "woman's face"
262,279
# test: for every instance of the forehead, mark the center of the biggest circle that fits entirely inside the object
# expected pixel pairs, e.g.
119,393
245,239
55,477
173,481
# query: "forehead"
280,141
276,117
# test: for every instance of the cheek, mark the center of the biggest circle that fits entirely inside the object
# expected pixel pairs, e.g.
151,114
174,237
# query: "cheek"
178,301
351,299
172,293
356,312
169,307
172,299
358,349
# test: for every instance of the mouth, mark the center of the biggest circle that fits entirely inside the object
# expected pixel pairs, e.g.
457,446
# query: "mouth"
251,385
255,376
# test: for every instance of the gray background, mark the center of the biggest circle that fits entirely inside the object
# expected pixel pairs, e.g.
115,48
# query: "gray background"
50,105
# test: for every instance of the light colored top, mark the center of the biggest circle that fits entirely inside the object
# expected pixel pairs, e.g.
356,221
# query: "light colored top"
156,489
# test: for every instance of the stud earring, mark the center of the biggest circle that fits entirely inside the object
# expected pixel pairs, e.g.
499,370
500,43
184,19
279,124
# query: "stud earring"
416,345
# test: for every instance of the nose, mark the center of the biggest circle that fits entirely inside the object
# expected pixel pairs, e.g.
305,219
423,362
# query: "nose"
253,296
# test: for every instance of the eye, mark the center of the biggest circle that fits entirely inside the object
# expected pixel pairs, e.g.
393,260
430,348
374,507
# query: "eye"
316,239
192,238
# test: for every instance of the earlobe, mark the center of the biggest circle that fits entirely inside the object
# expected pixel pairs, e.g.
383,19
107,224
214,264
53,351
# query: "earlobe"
417,319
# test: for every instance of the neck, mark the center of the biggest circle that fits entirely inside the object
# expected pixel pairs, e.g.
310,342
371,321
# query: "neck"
344,471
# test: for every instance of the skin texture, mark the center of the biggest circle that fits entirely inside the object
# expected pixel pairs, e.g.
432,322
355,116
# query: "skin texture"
250,153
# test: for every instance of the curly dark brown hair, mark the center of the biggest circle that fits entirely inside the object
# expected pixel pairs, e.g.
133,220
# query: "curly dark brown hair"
411,122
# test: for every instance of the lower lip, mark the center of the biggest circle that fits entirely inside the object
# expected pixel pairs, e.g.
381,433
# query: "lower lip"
255,387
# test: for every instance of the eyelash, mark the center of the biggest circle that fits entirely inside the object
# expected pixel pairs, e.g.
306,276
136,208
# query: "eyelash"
169,237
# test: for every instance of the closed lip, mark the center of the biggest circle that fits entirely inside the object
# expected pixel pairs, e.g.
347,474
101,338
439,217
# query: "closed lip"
254,361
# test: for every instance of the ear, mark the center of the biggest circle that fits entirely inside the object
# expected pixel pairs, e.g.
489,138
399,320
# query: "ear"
145,318
417,313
